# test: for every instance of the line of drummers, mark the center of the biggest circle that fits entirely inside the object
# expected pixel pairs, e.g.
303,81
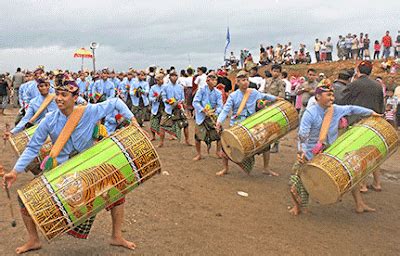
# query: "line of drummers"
327,165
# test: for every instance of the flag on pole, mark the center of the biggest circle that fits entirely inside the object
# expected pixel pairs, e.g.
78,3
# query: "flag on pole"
228,41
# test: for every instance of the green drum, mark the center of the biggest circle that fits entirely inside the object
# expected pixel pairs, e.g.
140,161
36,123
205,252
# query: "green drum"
259,130
19,142
65,197
353,156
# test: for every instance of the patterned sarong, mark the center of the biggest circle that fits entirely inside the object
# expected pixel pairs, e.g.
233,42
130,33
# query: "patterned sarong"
206,131
297,188
173,124
189,98
248,163
155,123
138,112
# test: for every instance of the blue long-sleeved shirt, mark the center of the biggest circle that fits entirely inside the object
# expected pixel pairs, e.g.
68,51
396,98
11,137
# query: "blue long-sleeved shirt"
22,94
80,139
155,104
83,87
145,87
206,96
169,91
104,88
32,91
32,109
311,122
233,103
125,86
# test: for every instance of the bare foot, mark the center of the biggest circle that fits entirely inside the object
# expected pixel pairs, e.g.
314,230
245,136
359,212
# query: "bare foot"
364,208
160,145
218,155
295,211
375,188
29,246
363,188
222,173
270,173
172,138
122,242
188,143
197,158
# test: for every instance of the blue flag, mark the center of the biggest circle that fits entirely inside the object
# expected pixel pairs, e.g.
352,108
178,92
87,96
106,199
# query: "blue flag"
228,41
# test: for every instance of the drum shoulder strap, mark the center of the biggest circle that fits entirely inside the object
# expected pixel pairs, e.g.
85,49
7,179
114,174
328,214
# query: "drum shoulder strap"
326,123
46,102
244,101
67,131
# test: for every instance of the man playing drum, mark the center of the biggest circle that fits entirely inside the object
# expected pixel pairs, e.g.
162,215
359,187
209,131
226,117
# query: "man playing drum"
38,107
310,144
248,98
78,140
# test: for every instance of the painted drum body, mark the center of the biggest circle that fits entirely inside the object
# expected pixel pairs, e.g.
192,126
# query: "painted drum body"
259,130
63,198
350,159
19,142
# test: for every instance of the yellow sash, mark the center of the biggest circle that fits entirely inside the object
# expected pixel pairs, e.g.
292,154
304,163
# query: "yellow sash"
244,101
49,98
66,132
326,122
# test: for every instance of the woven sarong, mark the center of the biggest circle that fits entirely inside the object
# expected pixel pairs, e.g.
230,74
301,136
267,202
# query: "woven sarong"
206,131
155,123
297,188
173,124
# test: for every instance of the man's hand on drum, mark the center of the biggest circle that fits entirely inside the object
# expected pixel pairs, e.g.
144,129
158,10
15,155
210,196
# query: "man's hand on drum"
376,114
218,127
6,135
279,98
134,122
301,157
9,178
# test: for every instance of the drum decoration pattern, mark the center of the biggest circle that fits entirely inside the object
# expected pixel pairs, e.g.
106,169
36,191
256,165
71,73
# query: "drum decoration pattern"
66,196
353,156
19,142
259,130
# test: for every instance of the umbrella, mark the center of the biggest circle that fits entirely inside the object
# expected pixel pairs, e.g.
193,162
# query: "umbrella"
82,53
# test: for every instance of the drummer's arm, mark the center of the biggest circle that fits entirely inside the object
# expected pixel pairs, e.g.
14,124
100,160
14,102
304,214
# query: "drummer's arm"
269,97
32,149
225,110
355,110
107,107
20,126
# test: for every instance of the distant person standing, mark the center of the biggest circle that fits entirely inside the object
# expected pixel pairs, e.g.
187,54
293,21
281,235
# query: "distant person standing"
354,47
3,94
341,48
329,49
397,46
387,44
367,53
377,49
317,48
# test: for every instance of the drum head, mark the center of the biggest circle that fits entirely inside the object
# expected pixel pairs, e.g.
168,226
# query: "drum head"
319,185
232,146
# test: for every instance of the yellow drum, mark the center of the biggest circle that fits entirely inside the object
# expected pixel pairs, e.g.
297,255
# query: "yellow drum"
65,197
19,142
259,130
349,159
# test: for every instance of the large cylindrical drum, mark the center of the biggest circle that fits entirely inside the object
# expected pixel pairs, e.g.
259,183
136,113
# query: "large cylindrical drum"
349,159
20,140
63,198
259,130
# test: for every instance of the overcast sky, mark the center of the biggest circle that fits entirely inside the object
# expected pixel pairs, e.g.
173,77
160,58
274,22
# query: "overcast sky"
134,33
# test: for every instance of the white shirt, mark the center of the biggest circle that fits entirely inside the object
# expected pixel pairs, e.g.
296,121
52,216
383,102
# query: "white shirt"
312,101
187,81
201,80
288,87
258,80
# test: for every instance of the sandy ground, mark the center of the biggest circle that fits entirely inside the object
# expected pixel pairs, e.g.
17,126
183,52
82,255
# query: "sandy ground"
191,211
